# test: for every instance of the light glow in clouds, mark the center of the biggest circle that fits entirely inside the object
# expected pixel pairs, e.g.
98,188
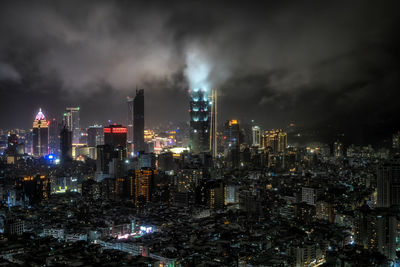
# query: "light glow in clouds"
197,69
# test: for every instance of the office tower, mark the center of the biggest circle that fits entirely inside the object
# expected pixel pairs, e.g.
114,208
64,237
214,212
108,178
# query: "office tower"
66,144
388,183
214,124
232,142
143,185
71,119
256,136
54,136
138,121
95,135
115,135
111,156
40,135
275,140
129,101
199,121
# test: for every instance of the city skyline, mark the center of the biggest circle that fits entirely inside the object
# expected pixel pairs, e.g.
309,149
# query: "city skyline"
335,68
199,133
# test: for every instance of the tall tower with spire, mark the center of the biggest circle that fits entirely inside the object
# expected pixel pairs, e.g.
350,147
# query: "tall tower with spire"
214,123
40,135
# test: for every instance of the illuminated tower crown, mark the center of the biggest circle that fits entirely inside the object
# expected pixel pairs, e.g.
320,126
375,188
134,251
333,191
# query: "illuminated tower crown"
40,120
40,135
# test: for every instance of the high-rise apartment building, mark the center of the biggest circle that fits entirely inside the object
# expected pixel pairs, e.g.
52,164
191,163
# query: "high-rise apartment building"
275,140
143,185
388,183
256,132
72,121
138,121
387,234
40,135
217,195
199,121
310,195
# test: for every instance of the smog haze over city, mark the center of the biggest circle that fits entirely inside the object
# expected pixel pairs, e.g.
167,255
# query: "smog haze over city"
199,133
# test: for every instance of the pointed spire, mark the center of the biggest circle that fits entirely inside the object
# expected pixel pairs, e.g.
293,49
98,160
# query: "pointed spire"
40,116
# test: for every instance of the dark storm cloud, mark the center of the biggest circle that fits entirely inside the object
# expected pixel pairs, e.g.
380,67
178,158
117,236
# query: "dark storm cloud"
311,62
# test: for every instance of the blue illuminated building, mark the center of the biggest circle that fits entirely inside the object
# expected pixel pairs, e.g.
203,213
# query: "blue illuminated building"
199,121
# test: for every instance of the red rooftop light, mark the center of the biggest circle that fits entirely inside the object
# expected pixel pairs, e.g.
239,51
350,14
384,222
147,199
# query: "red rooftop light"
119,130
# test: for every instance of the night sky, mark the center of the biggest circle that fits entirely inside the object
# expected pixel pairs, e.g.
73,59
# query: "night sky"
315,63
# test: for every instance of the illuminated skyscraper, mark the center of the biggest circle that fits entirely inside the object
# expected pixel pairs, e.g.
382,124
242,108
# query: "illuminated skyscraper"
199,121
256,136
138,121
71,120
40,135
275,140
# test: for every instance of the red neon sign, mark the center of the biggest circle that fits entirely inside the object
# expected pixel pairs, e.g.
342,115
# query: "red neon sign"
107,130
119,130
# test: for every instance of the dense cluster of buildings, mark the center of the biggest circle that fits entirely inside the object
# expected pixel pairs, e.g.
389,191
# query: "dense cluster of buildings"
198,194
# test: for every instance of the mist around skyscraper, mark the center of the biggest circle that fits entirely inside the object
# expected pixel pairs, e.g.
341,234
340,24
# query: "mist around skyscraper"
199,134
